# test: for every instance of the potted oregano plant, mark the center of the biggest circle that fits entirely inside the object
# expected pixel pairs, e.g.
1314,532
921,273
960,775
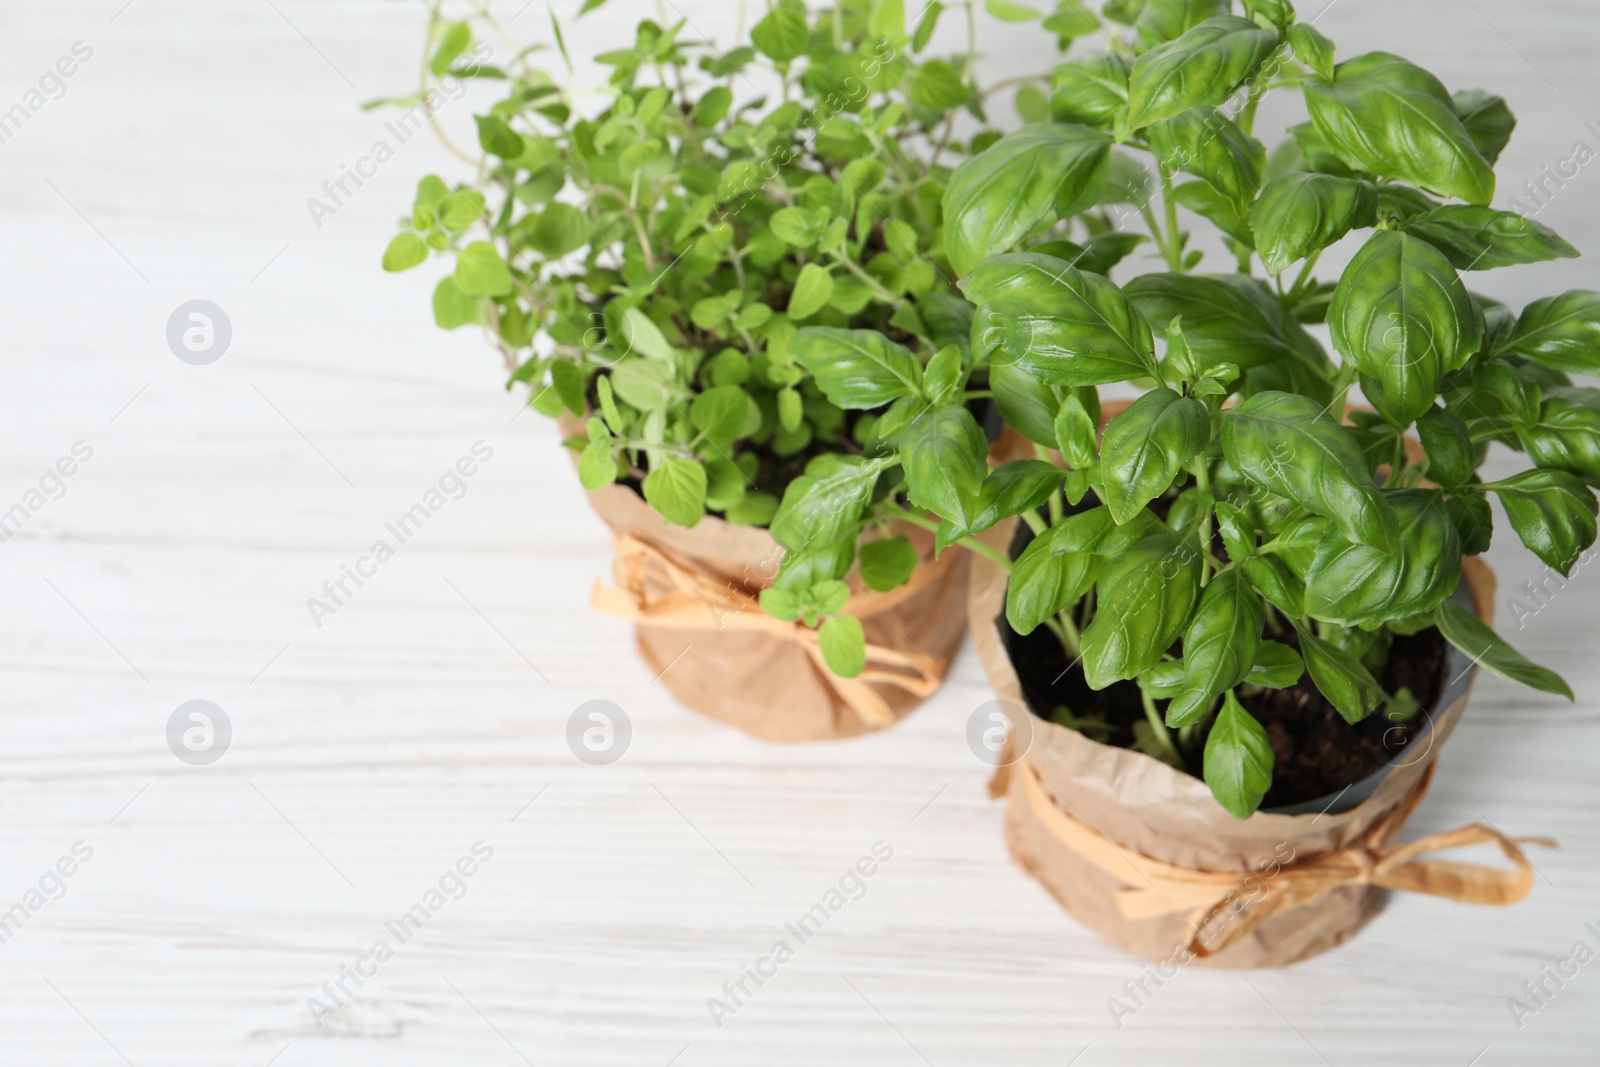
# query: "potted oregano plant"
738,304
1233,625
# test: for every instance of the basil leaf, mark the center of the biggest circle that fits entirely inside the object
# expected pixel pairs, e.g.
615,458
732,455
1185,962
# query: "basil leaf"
1490,651
1401,314
824,507
1566,435
677,489
1299,213
1274,580
1206,202
1219,648
887,564
1055,569
1288,445
1553,513
1064,326
1200,68
1146,447
1277,666
844,645
1448,443
1340,677
1238,760
1026,404
1014,488
1487,119
1355,585
1226,319
1207,144
943,455
999,196
1386,116
1474,521
1562,332
1480,238
1313,49
1091,91
856,369
1166,20
1146,594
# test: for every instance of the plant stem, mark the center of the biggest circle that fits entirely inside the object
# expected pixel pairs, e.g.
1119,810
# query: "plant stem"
1175,238
970,543
1159,728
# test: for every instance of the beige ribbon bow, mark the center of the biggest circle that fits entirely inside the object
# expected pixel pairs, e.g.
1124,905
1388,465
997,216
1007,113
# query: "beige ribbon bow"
1226,906
653,589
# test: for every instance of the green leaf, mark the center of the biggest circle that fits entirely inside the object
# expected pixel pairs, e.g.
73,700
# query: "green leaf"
1561,332
844,645
1064,326
497,138
887,564
1026,404
925,28
1207,144
1070,19
1022,485
937,85
1340,677
1277,666
1566,434
677,489
452,308
457,39
823,506
597,468
1201,68
1448,443
1488,121
1298,214
407,250
1226,319
1146,447
561,229
481,272
1146,594
1219,648
1010,11
999,196
645,337
567,380
1313,49
1481,238
1238,760
781,604
1055,569
461,209
812,291
713,107
781,35
721,413
888,20
1091,90
1274,580
1553,513
1355,585
1401,314
1385,116
1165,20
1289,445
1489,650
856,369
943,453
1078,433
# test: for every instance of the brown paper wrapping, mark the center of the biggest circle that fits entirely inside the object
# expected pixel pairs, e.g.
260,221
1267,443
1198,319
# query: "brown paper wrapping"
765,680
1149,809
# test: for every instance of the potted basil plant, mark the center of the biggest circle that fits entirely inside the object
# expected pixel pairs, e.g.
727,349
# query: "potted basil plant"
1245,624
739,308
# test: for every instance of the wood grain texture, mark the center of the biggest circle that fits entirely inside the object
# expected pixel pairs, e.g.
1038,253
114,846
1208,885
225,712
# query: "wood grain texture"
372,752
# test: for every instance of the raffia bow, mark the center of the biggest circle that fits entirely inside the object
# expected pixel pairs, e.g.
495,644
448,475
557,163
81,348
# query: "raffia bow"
653,589
1226,906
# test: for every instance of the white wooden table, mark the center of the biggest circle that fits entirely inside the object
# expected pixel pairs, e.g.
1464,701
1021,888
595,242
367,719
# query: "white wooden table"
428,714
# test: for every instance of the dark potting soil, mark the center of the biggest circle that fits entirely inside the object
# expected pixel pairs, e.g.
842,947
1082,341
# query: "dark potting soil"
1315,751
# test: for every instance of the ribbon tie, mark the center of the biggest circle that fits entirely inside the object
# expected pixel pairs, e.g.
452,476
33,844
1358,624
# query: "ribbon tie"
653,589
1225,906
